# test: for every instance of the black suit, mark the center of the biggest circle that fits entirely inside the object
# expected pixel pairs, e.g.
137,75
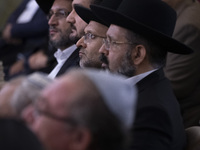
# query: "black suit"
158,123
72,61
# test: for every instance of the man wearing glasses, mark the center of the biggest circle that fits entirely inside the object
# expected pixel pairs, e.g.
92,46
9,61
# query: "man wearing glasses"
59,31
94,34
69,116
91,41
138,39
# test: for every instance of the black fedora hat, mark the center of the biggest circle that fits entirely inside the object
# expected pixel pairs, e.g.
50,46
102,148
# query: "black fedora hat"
153,19
45,5
87,15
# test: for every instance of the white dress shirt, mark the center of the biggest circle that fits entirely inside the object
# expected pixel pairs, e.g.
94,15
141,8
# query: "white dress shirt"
139,77
28,13
61,57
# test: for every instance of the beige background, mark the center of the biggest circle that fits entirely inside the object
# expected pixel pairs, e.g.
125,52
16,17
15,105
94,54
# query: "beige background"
6,8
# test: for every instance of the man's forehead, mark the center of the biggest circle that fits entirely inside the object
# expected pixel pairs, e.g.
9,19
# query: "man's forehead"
114,30
96,27
62,5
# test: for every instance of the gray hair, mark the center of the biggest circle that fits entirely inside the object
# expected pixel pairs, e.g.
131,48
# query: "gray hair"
29,91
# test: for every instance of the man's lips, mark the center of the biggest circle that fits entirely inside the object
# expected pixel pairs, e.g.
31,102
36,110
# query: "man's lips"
53,31
104,65
81,53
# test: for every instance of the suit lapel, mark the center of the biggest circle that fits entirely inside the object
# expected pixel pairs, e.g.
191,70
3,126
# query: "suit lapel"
72,61
150,79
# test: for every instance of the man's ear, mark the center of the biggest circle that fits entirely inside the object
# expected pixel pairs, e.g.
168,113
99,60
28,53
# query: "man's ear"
139,54
81,139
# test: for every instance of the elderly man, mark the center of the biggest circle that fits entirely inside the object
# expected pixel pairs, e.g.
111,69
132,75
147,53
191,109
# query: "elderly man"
138,40
94,33
85,109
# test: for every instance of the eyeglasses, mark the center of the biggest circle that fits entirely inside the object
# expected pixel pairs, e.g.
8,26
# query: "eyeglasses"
67,120
88,37
108,43
58,15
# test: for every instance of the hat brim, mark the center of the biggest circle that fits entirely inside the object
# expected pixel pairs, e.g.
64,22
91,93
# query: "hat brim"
87,15
113,17
45,5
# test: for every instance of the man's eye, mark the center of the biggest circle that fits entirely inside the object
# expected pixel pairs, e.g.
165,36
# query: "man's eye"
92,36
61,13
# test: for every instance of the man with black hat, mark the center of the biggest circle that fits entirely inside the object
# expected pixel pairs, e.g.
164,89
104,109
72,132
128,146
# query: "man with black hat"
138,40
59,31
95,31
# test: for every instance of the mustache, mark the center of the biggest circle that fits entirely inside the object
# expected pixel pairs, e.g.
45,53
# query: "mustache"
53,28
103,58
72,26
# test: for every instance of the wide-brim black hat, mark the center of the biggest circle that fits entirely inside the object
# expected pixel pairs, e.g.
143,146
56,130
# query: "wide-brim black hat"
87,15
153,19
45,5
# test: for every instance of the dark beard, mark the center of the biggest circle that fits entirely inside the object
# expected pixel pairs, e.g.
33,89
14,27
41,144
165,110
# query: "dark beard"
63,41
103,59
127,67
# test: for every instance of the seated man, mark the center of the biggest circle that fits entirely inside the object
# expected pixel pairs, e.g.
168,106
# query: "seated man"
138,40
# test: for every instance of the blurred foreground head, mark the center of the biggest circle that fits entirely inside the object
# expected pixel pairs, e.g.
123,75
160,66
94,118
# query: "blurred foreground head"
85,109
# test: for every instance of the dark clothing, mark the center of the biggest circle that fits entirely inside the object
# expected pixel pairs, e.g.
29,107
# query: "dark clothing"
37,27
158,124
33,34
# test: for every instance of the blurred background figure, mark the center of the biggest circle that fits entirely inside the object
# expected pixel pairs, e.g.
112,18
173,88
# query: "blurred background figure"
1,75
6,8
25,32
183,70
20,92
5,95
14,135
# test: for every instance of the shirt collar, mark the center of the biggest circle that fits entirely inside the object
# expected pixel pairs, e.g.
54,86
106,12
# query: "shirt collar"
139,77
64,55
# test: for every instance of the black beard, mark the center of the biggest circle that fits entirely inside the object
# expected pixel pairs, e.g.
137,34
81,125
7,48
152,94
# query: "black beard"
62,42
103,59
127,67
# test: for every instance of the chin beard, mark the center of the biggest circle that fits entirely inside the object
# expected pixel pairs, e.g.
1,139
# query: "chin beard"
62,43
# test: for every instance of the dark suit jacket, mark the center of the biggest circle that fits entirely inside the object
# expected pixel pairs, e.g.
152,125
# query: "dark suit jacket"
158,124
33,34
72,61
37,27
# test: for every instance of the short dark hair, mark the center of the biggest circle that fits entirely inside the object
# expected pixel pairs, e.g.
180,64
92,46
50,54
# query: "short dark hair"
156,54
